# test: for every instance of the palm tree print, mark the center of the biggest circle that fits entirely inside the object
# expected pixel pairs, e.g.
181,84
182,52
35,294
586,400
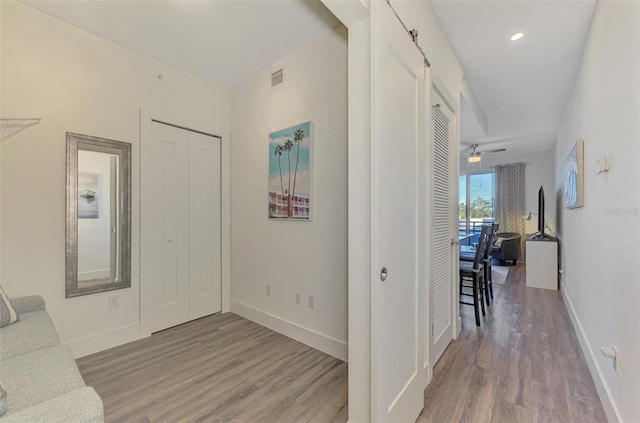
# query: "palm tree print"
288,146
298,139
278,152
289,192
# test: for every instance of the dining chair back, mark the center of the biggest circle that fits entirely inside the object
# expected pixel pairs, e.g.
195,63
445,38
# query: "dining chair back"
474,272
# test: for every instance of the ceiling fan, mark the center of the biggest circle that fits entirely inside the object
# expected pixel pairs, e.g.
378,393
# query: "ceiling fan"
474,156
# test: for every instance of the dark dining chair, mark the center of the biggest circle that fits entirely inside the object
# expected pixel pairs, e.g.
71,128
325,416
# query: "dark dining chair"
489,259
468,254
472,275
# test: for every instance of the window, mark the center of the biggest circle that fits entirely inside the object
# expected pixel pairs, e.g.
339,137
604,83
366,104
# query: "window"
476,201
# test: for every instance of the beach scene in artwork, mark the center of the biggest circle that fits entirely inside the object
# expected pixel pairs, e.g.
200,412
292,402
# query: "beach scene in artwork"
88,195
289,194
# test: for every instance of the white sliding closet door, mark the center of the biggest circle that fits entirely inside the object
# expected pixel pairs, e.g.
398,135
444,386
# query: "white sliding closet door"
185,247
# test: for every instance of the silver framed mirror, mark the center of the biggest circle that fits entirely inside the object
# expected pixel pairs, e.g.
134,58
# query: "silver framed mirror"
98,219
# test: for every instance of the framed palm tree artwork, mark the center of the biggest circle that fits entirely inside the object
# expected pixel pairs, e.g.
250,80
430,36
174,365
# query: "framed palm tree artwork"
290,173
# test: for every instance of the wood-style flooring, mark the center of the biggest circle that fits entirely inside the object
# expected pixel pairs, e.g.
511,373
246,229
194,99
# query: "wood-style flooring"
523,364
220,368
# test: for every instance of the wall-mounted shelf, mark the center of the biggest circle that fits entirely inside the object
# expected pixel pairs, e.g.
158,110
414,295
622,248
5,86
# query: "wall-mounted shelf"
11,126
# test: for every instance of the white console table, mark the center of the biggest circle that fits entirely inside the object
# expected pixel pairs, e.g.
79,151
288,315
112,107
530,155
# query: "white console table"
542,263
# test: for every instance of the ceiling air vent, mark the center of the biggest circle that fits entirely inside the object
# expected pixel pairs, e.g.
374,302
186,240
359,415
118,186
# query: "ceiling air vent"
277,78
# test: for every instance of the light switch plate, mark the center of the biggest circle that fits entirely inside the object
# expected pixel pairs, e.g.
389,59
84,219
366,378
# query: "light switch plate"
602,164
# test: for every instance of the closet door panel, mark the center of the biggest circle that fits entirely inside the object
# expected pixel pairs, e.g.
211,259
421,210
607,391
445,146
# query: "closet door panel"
170,220
205,222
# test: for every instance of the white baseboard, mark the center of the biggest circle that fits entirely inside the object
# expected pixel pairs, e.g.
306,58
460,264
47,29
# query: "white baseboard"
608,403
310,337
102,341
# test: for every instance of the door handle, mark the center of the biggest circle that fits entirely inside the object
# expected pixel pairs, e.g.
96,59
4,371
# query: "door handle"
455,242
383,273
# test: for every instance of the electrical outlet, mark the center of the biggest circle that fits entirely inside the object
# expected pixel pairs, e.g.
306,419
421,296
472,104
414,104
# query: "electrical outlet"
312,302
267,290
114,301
298,298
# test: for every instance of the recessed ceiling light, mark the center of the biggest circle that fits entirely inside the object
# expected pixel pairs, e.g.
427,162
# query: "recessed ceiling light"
517,36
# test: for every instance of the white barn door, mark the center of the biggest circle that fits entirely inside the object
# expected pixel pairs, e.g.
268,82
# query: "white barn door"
184,248
397,130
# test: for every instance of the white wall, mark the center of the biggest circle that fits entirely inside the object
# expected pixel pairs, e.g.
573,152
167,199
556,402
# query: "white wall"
599,241
309,257
78,82
539,170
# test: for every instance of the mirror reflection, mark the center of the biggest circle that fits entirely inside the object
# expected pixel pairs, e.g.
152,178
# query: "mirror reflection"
98,215
98,209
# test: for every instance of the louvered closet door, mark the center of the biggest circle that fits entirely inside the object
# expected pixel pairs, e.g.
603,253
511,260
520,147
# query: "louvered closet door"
441,269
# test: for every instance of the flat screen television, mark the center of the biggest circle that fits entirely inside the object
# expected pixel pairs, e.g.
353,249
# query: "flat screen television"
540,234
541,212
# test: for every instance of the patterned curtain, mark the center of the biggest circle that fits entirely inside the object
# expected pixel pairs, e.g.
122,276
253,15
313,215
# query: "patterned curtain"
510,200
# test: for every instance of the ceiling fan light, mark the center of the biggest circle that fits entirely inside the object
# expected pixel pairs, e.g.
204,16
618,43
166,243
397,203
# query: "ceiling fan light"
474,159
517,36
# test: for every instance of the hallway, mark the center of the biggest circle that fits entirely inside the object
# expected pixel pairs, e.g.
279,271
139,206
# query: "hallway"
524,364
